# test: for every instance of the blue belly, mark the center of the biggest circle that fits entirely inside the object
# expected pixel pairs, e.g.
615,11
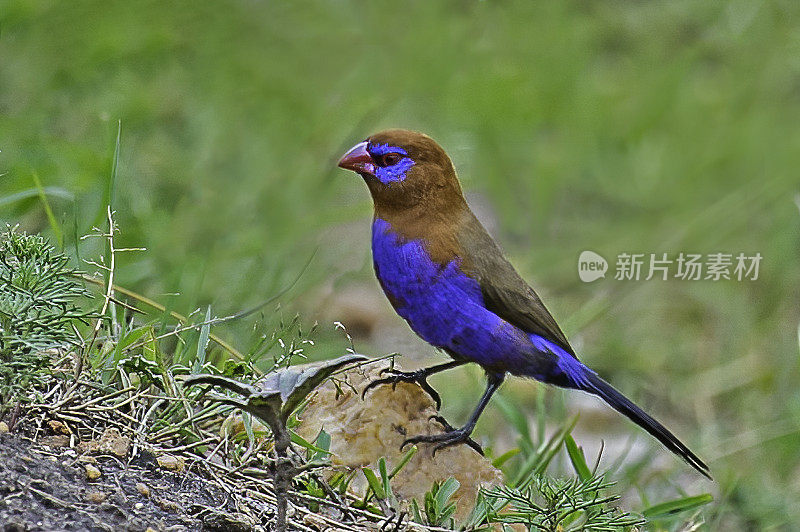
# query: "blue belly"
443,305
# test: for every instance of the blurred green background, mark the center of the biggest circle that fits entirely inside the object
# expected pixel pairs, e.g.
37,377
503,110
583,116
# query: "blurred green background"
616,127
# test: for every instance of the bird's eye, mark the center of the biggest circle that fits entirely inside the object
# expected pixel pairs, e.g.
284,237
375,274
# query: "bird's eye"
390,159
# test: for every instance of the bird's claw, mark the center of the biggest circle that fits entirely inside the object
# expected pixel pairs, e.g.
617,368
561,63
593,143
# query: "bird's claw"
397,376
451,436
443,422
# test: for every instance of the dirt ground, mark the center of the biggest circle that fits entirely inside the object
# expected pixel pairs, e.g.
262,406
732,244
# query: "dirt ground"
46,488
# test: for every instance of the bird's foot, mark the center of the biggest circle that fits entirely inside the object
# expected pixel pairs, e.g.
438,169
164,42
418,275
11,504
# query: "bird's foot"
451,436
420,377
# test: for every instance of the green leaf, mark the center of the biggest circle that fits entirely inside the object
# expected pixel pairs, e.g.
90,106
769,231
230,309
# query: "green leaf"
150,348
323,440
577,458
539,461
294,383
112,178
54,225
57,192
387,488
305,444
665,509
374,483
516,417
132,337
503,458
247,421
416,515
202,343
406,457
446,490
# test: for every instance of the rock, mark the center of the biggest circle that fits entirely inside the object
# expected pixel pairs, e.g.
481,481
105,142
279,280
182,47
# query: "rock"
364,430
92,473
235,522
55,442
315,521
171,463
96,497
169,506
143,489
111,442
58,427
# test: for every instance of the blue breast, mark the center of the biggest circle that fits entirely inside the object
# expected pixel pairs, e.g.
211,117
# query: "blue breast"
445,307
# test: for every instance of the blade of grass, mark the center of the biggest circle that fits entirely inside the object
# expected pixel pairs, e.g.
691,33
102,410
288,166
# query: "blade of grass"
446,490
503,458
112,177
577,458
387,488
374,484
202,342
406,457
668,508
518,419
305,444
36,191
539,461
54,225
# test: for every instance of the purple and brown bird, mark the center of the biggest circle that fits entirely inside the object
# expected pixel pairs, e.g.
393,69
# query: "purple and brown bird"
449,280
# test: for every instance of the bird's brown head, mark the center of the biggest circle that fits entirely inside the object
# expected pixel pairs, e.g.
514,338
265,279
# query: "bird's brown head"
403,170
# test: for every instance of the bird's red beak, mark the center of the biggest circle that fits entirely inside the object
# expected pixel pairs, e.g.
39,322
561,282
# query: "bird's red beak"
358,160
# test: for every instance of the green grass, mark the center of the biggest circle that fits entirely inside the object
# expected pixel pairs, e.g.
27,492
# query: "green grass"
616,127
155,366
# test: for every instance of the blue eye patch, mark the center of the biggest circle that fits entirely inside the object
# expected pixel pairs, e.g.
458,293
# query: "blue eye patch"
383,149
395,172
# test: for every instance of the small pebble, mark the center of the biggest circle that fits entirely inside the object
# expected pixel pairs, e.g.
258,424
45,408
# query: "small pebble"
58,427
3,427
92,473
171,463
55,442
314,521
138,506
169,506
96,497
143,489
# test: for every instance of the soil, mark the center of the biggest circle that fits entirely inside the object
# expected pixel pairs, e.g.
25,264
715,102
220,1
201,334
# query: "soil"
46,488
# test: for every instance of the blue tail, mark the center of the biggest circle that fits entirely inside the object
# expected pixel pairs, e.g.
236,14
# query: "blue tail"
558,367
593,384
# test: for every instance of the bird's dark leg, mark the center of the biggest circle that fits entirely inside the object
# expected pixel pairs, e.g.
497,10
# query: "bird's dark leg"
420,377
455,436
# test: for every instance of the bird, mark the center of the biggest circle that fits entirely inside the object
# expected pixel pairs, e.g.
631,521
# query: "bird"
448,279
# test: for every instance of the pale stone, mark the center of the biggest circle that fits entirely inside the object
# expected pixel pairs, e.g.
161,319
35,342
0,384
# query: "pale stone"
143,489
362,431
171,463
92,473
